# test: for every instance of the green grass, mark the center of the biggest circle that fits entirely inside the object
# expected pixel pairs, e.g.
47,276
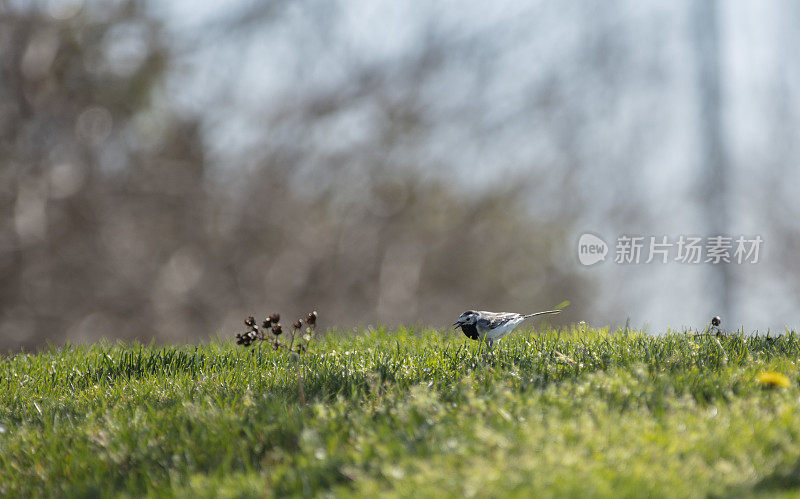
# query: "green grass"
410,412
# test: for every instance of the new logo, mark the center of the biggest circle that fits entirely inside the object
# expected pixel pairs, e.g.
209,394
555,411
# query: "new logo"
591,249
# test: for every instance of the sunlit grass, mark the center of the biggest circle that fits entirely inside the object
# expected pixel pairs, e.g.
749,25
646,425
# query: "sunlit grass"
422,412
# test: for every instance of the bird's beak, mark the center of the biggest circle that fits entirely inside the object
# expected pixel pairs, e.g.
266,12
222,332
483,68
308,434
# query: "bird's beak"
456,324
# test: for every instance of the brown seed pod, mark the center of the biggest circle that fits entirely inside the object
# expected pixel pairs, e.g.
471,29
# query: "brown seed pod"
275,318
716,321
250,321
267,323
277,329
298,324
311,318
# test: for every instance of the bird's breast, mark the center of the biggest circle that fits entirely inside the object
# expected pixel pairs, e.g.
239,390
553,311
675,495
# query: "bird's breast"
470,331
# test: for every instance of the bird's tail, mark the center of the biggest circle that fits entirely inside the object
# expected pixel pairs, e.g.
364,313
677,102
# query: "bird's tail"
543,313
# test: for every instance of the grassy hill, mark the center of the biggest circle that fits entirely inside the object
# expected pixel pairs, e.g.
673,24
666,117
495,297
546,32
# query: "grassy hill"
408,412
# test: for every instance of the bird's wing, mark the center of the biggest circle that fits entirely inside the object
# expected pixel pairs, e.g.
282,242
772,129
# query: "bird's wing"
492,320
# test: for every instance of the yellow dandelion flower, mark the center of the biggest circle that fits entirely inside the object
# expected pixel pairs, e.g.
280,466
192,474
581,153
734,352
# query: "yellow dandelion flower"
771,379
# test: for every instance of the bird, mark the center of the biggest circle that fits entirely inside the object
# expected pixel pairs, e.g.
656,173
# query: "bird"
491,326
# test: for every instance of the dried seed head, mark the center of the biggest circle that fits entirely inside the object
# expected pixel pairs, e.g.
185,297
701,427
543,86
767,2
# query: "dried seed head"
267,323
275,318
311,318
298,324
276,329
250,321
245,338
716,321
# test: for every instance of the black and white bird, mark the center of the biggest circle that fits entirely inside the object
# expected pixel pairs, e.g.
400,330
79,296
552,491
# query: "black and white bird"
490,326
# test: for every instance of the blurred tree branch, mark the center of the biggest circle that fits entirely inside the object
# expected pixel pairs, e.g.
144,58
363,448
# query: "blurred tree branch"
116,222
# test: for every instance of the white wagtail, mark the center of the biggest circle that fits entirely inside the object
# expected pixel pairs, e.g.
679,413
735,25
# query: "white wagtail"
490,326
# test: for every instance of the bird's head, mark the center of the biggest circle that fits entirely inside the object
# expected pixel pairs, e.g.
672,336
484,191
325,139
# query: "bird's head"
466,319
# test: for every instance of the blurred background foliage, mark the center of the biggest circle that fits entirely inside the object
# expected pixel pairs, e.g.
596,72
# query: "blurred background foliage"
167,168
117,222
